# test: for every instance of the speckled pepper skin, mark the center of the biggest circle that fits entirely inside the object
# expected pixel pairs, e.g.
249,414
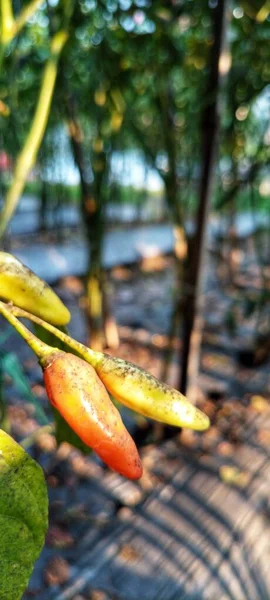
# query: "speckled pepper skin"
75,390
20,285
143,393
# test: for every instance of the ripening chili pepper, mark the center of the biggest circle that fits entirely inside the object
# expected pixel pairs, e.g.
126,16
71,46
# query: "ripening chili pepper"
144,394
133,386
20,285
75,390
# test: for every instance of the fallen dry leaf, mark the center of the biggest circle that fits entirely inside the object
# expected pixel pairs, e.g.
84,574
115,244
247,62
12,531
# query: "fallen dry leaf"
209,408
98,595
127,552
57,571
263,437
225,449
188,438
46,442
52,481
59,538
260,404
73,284
38,390
233,476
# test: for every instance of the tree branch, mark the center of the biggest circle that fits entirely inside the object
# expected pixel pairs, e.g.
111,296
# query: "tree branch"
27,156
7,21
10,27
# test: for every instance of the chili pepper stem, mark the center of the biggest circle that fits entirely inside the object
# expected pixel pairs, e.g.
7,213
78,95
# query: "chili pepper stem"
41,349
87,354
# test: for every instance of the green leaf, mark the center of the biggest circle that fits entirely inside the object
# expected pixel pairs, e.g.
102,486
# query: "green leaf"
23,517
64,433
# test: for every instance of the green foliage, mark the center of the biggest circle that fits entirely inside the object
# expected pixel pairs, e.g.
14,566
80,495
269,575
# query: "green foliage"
23,517
70,192
137,79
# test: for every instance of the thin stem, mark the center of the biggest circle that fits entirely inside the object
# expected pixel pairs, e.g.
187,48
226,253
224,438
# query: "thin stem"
10,26
39,348
7,21
87,354
25,14
27,156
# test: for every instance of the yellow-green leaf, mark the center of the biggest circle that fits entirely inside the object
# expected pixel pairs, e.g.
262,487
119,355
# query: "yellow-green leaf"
23,517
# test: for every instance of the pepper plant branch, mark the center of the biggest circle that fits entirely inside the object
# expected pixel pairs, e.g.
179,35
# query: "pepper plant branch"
10,26
7,21
39,348
86,353
27,156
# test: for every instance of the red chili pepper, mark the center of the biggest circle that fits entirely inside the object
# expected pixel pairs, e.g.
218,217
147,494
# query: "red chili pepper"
76,391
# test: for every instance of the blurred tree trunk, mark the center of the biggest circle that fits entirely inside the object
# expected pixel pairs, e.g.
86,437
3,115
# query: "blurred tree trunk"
193,305
180,251
95,280
43,207
174,206
92,219
171,184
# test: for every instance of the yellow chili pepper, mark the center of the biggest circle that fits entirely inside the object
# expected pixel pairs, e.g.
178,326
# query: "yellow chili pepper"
20,285
144,394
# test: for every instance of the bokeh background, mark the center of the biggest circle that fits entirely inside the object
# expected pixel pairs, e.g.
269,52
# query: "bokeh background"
134,168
